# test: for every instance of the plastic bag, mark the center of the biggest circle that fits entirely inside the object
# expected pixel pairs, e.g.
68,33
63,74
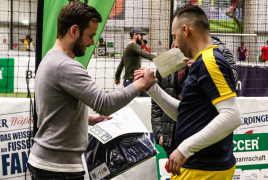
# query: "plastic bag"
119,154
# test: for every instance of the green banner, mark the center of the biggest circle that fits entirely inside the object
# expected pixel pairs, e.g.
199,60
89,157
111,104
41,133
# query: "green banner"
251,153
6,75
51,11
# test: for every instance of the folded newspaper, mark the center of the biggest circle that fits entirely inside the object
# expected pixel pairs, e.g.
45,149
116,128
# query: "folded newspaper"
170,62
117,145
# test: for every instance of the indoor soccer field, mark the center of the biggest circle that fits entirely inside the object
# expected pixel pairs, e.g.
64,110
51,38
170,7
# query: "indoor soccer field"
28,30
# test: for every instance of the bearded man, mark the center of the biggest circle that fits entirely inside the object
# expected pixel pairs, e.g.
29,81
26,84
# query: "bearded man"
132,59
63,90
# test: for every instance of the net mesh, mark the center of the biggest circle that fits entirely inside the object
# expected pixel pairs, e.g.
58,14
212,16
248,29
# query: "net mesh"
233,21
17,53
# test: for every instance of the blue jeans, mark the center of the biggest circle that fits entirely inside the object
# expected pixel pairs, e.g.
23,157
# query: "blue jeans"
39,174
130,81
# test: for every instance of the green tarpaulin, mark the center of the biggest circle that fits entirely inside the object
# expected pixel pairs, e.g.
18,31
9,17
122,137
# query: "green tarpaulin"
51,11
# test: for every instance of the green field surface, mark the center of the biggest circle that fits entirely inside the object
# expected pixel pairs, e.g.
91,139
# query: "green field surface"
227,25
15,95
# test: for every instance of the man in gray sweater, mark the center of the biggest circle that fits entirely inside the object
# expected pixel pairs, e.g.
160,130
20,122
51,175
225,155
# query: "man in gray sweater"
63,90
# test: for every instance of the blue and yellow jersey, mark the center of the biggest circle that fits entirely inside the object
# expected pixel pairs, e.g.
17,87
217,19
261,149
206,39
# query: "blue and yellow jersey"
210,80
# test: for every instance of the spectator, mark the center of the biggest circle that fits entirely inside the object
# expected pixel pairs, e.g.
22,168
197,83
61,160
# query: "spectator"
132,59
264,52
28,43
242,52
144,47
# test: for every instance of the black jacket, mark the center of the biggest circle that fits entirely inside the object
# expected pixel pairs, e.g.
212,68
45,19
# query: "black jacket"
162,124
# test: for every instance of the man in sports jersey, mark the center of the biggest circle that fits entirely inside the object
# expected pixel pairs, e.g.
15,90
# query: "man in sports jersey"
242,52
232,10
209,111
264,52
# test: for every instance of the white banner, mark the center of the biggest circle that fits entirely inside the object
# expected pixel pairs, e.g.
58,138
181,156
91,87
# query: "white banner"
15,129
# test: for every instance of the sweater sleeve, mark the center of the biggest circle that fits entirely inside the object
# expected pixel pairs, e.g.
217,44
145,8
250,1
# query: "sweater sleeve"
137,49
74,79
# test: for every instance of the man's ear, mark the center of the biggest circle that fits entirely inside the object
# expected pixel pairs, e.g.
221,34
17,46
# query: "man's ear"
74,30
186,30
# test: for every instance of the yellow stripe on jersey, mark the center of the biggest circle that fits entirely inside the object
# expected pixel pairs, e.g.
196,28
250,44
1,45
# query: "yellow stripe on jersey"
217,76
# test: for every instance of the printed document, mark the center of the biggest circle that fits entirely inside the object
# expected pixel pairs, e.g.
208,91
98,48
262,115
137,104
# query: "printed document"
170,62
124,121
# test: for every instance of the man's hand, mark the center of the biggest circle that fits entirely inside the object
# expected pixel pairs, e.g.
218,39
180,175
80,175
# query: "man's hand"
139,73
161,143
190,61
145,82
94,119
175,161
117,82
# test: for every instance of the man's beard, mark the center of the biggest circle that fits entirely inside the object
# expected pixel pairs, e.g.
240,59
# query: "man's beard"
78,48
138,41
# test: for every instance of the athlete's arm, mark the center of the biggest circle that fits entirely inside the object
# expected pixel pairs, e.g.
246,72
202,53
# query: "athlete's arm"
140,52
225,123
166,102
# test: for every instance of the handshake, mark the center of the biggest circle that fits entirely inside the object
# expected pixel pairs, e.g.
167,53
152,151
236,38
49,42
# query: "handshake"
144,78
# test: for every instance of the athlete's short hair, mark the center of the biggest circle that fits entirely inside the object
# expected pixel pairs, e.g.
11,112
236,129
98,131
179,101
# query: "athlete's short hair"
195,16
76,13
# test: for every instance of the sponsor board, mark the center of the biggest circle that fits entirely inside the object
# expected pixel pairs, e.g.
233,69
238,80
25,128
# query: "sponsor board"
15,138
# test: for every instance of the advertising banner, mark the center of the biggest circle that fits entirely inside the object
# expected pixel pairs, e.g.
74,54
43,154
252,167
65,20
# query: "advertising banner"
251,153
223,15
6,75
15,129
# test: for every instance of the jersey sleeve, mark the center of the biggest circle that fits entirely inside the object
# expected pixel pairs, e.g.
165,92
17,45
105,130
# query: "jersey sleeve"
215,79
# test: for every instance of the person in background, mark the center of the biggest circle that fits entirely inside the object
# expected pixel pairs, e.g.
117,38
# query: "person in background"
163,126
231,11
264,52
64,91
132,59
144,47
242,52
28,43
101,47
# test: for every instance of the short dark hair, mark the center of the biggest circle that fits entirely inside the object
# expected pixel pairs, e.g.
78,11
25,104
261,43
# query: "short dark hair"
267,42
195,14
76,13
242,42
145,41
29,37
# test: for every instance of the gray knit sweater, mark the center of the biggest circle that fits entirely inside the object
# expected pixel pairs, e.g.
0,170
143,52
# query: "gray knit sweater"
63,90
